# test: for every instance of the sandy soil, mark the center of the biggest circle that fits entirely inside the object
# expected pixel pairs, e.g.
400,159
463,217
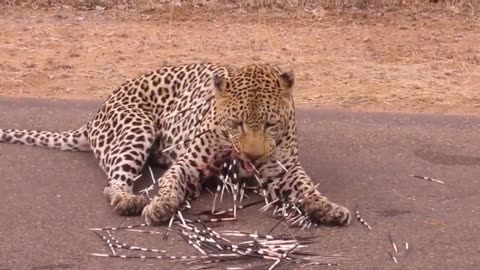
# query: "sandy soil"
408,61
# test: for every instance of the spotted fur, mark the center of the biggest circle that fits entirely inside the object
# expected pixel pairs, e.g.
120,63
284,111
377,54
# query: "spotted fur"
246,113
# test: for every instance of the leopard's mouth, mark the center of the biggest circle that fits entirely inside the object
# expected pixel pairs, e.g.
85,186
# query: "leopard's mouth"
247,165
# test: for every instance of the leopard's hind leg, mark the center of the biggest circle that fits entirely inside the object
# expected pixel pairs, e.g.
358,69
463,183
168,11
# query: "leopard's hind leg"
122,151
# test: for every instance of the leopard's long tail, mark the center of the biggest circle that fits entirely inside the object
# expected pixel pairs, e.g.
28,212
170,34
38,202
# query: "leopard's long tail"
72,140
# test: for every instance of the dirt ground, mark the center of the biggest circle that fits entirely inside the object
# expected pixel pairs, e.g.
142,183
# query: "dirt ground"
420,61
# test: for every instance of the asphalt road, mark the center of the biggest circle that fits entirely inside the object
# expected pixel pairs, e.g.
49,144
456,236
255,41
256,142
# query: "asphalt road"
49,198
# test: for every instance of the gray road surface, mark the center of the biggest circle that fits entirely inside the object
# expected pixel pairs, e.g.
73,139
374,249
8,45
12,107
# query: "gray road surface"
49,198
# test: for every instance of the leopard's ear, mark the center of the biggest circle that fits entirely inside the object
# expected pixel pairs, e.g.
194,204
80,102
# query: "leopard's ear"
220,84
288,79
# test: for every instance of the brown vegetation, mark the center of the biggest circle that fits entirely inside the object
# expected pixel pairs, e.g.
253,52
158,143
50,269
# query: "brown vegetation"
460,5
385,55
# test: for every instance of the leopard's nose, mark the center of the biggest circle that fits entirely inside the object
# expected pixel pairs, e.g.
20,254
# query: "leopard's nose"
252,156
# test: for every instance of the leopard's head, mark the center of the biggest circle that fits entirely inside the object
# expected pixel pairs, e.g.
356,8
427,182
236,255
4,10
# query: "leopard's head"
254,107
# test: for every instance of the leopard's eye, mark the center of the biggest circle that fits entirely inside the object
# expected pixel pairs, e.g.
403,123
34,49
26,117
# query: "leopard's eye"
269,124
235,123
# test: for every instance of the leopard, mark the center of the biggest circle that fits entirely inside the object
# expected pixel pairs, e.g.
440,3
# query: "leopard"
191,118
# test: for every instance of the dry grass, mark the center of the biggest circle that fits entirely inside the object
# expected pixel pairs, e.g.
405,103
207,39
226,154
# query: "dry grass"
464,6
416,61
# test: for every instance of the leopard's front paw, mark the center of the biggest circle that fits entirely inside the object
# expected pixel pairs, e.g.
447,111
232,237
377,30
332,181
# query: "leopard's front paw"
160,210
322,211
127,204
